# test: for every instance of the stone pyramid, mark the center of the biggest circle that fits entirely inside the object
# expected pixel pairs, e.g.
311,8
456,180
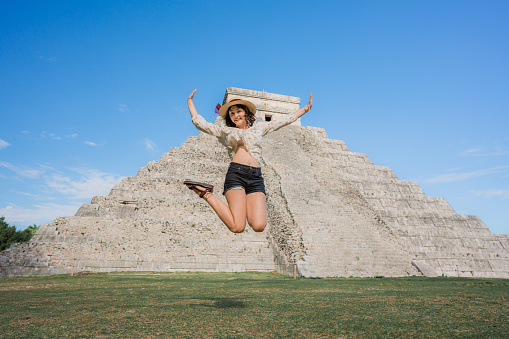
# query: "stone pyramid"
332,213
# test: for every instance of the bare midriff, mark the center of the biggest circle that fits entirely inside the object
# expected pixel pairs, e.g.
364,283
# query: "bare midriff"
243,157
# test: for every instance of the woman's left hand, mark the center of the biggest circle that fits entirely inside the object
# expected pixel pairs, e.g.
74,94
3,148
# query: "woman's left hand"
300,112
310,103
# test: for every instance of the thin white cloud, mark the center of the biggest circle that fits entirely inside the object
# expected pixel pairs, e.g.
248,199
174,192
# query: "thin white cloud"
4,144
471,151
73,185
72,135
53,136
465,175
26,194
50,59
123,108
151,146
79,183
37,214
24,172
477,152
454,169
25,132
91,183
496,154
47,167
90,143
504,194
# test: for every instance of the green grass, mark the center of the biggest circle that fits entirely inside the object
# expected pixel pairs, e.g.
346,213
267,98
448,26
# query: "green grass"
244,305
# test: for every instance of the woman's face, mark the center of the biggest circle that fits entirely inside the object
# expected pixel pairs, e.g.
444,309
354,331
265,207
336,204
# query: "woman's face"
238,116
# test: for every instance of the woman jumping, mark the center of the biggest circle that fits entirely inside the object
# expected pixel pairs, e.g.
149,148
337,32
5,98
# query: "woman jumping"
241,133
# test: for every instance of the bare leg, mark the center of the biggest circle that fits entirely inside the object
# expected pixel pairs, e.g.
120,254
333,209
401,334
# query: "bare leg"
234,214
240,207
256,211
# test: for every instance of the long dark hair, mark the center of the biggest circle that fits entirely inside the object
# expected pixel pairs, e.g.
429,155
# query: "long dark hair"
250,117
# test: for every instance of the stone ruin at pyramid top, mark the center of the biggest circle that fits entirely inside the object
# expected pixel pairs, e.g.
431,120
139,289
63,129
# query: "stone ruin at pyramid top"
332,213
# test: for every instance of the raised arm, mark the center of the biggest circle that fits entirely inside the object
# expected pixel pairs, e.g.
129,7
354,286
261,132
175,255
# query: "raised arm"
287,119
305,109
190,104
199,121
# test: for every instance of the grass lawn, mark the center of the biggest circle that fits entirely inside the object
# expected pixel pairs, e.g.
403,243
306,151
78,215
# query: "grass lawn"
251,305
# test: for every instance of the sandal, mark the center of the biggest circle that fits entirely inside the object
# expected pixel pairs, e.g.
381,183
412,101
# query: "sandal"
195,184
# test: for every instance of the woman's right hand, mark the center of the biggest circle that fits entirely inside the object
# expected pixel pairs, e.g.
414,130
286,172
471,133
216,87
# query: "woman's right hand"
190,98
190,104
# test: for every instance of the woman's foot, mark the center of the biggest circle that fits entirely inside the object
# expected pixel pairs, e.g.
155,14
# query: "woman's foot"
203,190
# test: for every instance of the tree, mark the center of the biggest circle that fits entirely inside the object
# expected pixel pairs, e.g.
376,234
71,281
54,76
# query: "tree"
33,229
9,235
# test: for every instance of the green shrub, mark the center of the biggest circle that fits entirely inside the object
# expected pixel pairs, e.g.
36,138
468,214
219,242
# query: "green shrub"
9,235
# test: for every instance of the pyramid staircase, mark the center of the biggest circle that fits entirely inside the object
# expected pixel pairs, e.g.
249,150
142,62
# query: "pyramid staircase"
343,201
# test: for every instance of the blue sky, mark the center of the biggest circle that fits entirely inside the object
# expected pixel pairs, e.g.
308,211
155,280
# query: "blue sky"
90,91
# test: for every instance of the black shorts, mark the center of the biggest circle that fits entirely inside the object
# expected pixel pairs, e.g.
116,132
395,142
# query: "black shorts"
244,177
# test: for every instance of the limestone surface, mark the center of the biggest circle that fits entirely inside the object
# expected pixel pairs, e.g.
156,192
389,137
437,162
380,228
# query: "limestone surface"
332,213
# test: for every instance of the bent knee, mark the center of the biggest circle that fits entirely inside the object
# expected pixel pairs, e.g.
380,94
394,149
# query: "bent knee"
258,227
237,228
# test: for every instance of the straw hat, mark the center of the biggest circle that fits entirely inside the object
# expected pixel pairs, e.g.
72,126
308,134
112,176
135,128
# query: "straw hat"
224,109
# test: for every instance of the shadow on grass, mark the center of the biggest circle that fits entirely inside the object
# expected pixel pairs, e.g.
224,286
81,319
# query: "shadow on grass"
222,303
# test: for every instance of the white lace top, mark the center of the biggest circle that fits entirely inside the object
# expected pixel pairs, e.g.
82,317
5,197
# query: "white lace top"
252,137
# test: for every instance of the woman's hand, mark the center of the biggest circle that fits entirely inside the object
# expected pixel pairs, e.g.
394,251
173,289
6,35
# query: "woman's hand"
190,98
306,108
190,104
309,105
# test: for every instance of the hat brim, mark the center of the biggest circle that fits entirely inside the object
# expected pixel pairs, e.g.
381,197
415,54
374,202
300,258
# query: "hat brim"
224,109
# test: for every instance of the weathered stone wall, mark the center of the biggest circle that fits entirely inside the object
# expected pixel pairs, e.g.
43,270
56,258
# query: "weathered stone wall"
342,236
149,222
331,213
426,227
